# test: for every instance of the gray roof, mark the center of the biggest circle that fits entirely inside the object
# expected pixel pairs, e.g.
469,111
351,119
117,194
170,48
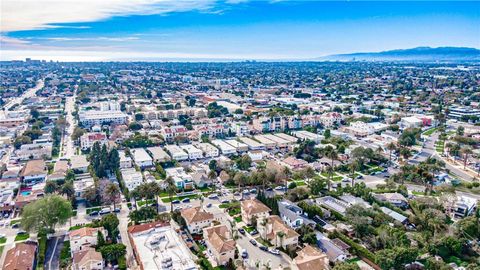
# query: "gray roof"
397,216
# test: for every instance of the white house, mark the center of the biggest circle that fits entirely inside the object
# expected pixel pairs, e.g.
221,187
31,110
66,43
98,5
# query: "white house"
141,158
192,151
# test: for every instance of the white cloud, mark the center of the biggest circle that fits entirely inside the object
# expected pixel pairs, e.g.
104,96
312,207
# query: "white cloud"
17,15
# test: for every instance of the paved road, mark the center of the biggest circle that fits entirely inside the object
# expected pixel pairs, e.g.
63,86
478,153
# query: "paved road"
69,148
52,254
27,94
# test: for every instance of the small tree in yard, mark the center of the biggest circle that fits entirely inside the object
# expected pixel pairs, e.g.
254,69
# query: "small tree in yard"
46,213
113,252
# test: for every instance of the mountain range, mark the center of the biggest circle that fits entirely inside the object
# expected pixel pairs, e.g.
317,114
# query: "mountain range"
427,54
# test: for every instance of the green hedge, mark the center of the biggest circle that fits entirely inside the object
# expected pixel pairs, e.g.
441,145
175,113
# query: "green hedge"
42,249
358,249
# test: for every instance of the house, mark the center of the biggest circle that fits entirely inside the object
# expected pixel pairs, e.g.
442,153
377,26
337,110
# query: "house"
464,206
34,171
81,185
253,208
224,147
141,158
294,163
131,178
197,219
209,150
79,164
88,259
87,140
310,258
59,171
394,215
158,154
83,238
396,199
125,161
192,151
21,257
176,152
334,253
277,233
291,214
220,242
181,179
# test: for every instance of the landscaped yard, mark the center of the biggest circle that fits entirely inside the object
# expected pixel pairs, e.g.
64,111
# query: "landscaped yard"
248,229
238,219
430,131
440,146
15,221
263,242
3,240
234,211
92,209
22,237
143,202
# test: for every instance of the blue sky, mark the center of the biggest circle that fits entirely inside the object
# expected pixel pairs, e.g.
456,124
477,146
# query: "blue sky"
235,29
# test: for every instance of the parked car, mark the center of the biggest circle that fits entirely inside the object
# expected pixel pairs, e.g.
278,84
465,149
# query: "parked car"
93,213
209,205
105,211
16,225
254,232
21,232
175,201
253,190
244,254
186,200
253,242
274,251
225,201
241,230
264,248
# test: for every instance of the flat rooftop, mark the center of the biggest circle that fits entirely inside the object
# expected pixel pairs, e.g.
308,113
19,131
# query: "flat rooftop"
161,245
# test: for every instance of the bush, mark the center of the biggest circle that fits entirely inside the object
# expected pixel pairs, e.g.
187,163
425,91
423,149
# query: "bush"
42,248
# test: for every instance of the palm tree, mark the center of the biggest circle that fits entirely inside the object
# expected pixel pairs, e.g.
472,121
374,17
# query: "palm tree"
135,194
281,235
112,192
354,165
171,189
466,151
391,147
212,175
332,154
154,189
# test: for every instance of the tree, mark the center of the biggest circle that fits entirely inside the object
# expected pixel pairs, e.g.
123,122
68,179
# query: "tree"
143,214
77,133
466,151
46,213
112,193
171,190
100,239
113,252
212,165
244,162
346,266
327,134
152,190
396,257
21,140
135,126
110,222
50,187
331,153
391,147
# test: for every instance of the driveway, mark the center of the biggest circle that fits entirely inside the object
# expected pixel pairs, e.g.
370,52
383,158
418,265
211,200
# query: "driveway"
52,254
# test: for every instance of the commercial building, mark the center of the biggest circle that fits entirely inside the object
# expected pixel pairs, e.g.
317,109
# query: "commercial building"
239,146
157,246
92,118
252,144
269,144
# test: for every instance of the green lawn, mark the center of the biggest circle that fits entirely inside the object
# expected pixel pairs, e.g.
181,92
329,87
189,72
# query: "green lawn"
15,221
1,250
22,237
263,242
76,227
3,240
430,131
143,202
92,209
248,229
300,183
238,219
167,200
234,211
